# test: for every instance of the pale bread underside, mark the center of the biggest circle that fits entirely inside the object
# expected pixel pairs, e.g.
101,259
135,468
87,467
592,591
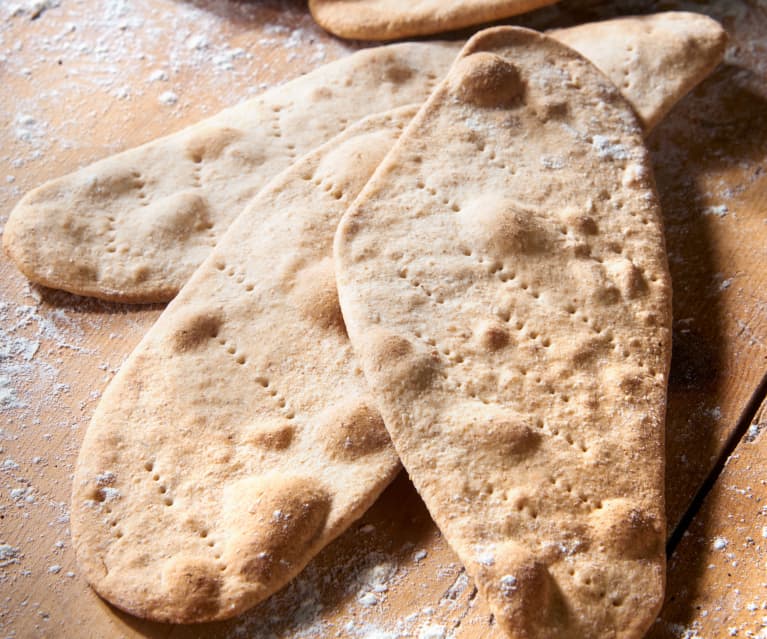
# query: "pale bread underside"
133,227
504,281
239,438
392,19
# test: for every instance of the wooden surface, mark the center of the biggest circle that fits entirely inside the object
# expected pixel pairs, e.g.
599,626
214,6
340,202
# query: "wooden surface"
82,80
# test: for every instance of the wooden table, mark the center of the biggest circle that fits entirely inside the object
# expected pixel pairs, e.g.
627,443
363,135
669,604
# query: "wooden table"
82,80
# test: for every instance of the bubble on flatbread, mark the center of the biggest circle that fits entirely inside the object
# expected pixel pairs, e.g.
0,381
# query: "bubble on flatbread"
487,80
193,587
395,362
272,519
625,529
274,434
353,429
208,142
501,226
195,329
316,297
529,601
492,335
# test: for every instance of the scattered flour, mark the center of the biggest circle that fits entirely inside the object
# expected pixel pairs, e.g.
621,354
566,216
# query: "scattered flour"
368,599
485,557
508,585
720,543
606,148
168,98
432,632
719,211
9,464
8,555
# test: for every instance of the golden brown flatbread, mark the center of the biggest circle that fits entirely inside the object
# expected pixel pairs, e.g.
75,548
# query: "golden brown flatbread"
239,438
503,279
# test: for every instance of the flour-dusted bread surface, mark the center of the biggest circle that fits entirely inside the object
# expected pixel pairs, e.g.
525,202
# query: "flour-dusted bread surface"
239,438
134,226
656,59
390,19
503,278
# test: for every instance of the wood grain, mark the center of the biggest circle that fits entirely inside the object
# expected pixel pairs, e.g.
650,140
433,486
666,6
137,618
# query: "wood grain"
58,352
716,578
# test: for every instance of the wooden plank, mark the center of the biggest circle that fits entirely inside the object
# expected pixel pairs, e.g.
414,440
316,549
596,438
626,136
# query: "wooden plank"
709,162
76,86
717,578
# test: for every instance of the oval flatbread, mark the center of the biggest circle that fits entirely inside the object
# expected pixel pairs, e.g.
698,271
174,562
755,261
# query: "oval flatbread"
503,279
239,438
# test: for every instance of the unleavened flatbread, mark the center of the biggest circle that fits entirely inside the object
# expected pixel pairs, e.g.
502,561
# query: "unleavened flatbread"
504,282
239,438
133,227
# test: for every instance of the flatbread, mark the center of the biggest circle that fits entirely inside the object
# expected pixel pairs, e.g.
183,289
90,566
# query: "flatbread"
133,227
654,76
503,279
239,438
392,19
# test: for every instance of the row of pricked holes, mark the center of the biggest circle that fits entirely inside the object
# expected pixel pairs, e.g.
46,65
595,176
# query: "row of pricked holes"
241,359
197,176
101,497
162,488
420,184
260,380
419,285
522,504
240,277
140,183
325,184
112,231
168,501
277,129
279,398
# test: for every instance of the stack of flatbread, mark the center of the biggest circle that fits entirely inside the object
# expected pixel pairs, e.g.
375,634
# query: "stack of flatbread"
460,267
